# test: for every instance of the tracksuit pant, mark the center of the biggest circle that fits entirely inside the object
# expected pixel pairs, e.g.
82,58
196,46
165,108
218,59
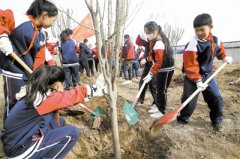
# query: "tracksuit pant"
150,84
96,61
135,68
163,80
127,69
71,74
211,95
90,64
84,65
12,85
56,142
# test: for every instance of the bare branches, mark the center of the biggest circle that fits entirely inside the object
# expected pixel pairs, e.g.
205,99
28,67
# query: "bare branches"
173,34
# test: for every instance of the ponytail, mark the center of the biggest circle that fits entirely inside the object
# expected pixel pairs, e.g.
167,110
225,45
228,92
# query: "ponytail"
41,80
168,47
40,6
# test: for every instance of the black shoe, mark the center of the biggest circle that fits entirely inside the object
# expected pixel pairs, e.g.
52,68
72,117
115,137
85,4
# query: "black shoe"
218,127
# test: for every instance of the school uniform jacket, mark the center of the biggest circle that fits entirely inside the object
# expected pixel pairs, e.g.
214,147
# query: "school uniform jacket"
199,54
26,125
161,62
69,54
28,43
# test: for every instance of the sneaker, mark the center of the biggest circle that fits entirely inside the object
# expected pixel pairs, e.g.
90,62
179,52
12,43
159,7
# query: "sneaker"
218,127
153,110
127,82
153,106
156,115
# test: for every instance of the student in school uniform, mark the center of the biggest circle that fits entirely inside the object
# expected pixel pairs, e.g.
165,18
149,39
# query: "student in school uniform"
32,129
25,39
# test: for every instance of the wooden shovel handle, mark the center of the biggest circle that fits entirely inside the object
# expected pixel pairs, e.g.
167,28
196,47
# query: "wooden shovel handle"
139,93
172,115
15,57
199,89
85,108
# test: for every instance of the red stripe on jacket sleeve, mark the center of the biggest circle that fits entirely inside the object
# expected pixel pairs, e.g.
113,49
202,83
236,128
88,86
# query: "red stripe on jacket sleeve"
60,100
159,55
39,59
191,66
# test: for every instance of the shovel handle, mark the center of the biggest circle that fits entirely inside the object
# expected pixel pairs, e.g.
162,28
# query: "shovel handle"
199,89
15,57
85,108
172,115
139,93
237,80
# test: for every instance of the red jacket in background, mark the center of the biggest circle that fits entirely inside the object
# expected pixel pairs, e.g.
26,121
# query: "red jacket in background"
128,51
95,52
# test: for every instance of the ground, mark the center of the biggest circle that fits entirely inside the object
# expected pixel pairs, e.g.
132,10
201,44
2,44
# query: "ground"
196,140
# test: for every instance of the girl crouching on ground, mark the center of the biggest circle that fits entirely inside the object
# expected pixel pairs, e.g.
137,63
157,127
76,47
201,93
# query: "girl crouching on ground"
32,130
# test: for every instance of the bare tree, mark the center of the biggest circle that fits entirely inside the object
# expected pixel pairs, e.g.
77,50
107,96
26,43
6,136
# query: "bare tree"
173,34
110,42
63,21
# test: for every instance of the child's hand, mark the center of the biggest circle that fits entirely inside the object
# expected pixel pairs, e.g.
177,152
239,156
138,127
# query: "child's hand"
148,78
5,44
99,88
201,85
228,59
143,62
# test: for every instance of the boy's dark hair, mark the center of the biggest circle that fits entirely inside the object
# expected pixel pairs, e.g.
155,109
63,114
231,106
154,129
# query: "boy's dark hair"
85,41
202,19
41,80
39,6
126,36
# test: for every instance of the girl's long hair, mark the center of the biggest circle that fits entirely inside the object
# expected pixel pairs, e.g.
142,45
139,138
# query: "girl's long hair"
41,80
39,6
153,26
64,34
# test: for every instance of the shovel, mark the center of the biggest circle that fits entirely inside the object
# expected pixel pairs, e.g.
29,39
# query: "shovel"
234,82
97,112
95,119
130,113
172,115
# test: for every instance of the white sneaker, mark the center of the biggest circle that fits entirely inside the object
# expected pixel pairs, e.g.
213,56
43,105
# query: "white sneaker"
153,106
156,115
153,110
127,82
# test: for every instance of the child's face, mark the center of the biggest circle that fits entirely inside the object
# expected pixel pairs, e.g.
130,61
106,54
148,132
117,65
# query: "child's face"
47,21
203,32
150,35
58,86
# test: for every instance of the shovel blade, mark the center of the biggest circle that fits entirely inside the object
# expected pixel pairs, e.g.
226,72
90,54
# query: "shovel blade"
99,111
169,117
130,113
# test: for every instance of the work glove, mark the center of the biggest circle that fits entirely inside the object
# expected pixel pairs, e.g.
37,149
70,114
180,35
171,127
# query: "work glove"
201,85
140,55
5,44
143,62
148,78
228,59
97,89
